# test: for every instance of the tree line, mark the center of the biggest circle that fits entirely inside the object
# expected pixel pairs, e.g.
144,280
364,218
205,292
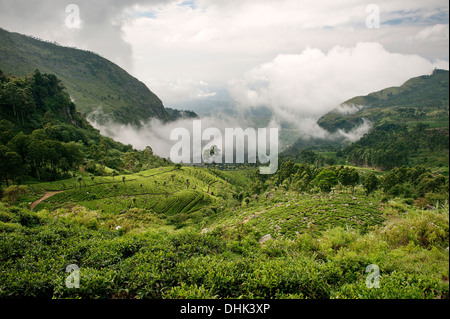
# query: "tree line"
408,182
393,145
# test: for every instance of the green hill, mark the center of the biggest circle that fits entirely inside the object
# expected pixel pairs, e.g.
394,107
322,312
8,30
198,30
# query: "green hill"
94,83
409,126
422,99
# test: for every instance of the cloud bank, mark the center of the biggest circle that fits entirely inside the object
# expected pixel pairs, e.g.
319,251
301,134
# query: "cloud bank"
305,86
297,88
174,45
157,135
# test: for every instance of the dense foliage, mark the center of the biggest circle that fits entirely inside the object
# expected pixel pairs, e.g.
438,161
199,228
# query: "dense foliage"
42,136
225,262
408,126
391,145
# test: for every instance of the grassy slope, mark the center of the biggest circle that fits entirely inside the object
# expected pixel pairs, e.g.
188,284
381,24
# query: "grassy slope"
162,191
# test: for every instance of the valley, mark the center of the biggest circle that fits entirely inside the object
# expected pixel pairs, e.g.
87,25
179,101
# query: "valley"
139,226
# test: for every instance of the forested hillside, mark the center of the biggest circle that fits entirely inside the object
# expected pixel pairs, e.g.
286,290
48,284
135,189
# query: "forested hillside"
42,135
409,126
94,83
421,99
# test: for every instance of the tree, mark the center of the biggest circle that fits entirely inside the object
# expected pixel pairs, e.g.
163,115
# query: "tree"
325,180
131,161
14,192
348,176
212,155
371,183
115,190
148,152
286,169
14,165
103,150
11,165
6,131
72,152
19,144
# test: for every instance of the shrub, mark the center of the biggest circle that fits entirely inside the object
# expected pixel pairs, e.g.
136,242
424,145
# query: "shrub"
421,203
25,217
188,292
426,229
335,239
94,284
396,285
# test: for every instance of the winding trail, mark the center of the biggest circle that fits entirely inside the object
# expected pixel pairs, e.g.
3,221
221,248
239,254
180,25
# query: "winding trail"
46,195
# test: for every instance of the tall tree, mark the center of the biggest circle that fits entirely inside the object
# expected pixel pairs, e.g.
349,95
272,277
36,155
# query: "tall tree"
371,183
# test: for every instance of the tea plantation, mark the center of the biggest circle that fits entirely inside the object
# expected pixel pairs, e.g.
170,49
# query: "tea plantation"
185,232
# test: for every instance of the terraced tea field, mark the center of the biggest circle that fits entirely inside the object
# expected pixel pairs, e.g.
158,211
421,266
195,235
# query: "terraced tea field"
166,190
203,199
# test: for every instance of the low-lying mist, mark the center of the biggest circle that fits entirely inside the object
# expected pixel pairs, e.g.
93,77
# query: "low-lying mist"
156,134
293,88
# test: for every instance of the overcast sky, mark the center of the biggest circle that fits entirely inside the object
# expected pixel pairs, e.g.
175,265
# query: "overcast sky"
295,57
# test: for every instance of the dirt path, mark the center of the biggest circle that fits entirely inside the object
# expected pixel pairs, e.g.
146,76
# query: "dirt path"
46,195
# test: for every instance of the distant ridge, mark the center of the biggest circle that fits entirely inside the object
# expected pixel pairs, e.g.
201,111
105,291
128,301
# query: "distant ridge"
405,125
426,94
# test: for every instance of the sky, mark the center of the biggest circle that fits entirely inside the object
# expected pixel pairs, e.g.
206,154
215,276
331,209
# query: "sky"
298,58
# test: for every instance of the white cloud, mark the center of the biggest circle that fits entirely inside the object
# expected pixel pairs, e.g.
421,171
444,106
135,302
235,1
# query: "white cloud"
157,135
307,85
179,90
358,132
216,41
434,33
172,45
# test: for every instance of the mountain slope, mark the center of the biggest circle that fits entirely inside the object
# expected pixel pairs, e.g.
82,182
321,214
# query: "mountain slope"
94,83
43,137
409,126
424,98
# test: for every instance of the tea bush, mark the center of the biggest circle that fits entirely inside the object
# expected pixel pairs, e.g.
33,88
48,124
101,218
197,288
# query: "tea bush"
395,285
